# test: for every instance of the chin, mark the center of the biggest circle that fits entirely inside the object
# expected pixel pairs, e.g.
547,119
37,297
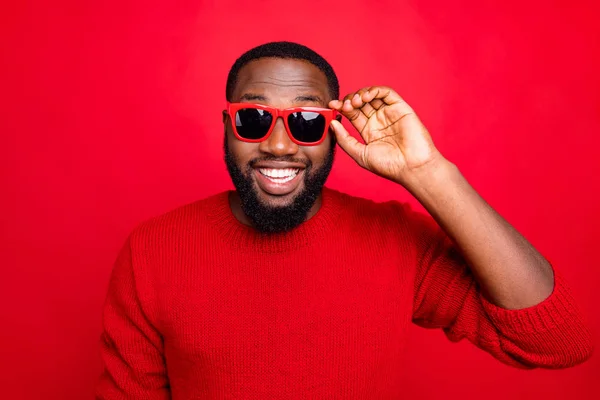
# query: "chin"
270,200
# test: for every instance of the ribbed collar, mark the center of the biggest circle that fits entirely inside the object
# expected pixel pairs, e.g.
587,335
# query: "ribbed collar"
243,237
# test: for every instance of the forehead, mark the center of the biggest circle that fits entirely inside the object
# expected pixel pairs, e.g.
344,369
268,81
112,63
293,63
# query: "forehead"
281,79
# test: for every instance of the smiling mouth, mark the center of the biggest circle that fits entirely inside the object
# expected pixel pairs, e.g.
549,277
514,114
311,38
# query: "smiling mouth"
279,175
276,181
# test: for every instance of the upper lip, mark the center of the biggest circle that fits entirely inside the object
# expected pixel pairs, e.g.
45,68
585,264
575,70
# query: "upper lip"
279,165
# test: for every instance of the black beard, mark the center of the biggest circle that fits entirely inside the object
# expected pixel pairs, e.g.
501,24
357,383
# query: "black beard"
269,219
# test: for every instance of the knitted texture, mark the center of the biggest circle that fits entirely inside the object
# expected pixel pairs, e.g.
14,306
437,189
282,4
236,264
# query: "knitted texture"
202,307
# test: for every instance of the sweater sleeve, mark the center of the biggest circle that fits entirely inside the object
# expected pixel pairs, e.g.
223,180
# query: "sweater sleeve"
551,334
131,348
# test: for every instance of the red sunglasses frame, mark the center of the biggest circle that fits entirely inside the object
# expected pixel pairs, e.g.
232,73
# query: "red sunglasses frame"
329,114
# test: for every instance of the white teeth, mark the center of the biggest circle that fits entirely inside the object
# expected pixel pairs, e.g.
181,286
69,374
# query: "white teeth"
280,174
282,180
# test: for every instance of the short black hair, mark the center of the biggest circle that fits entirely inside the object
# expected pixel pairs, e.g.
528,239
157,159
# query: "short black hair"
283,50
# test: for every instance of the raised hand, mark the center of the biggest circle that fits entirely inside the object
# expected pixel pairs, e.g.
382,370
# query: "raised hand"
397,145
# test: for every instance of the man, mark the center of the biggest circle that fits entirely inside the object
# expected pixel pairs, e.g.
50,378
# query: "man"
286,289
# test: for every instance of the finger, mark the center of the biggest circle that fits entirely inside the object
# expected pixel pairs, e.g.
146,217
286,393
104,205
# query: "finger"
346,108
351,95
388,96
354,115
357,102
365,107
349,144
376,104
336,104
385,94
366,103
349,113
364,100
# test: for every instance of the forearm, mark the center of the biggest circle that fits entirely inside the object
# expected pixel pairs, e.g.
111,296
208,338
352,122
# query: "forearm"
510,271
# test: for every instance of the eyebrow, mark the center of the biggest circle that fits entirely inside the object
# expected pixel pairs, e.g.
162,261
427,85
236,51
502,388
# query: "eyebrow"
301,98
314,99
252,96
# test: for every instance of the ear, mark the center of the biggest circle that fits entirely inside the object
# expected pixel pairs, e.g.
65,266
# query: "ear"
225,121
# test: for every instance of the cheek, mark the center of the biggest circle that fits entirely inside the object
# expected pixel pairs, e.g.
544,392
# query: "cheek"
318,154
242,152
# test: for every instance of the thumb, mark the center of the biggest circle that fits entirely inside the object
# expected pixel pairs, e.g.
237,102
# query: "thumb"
349,144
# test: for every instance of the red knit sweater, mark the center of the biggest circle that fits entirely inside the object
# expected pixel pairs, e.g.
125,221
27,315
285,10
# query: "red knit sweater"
201,306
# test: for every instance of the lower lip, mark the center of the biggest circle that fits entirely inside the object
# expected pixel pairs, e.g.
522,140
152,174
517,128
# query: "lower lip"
278,188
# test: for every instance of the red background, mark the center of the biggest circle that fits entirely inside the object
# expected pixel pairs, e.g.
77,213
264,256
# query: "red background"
110,114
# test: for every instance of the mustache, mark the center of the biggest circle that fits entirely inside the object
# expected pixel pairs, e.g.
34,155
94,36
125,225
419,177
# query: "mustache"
288,159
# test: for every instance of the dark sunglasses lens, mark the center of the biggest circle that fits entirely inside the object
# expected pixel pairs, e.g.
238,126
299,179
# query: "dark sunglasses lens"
253,123
306,126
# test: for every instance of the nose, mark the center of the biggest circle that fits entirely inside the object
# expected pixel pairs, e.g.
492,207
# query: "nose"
278,143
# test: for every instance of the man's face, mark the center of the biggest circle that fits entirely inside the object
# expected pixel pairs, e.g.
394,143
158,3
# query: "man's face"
274,204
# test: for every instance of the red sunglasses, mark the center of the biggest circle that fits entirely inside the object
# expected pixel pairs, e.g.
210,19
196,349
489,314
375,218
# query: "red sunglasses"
306,126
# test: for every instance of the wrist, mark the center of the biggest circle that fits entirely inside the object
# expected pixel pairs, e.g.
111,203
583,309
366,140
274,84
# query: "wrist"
428,178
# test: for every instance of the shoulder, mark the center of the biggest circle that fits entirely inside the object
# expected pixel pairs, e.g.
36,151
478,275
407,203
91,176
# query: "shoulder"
391,222
179,223
363,210
366,206
396,215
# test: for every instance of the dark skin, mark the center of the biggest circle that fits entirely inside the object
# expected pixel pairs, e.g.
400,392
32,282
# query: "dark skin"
398,147
280,83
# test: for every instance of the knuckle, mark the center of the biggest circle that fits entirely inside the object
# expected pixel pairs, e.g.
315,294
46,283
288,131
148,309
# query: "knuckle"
354,115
